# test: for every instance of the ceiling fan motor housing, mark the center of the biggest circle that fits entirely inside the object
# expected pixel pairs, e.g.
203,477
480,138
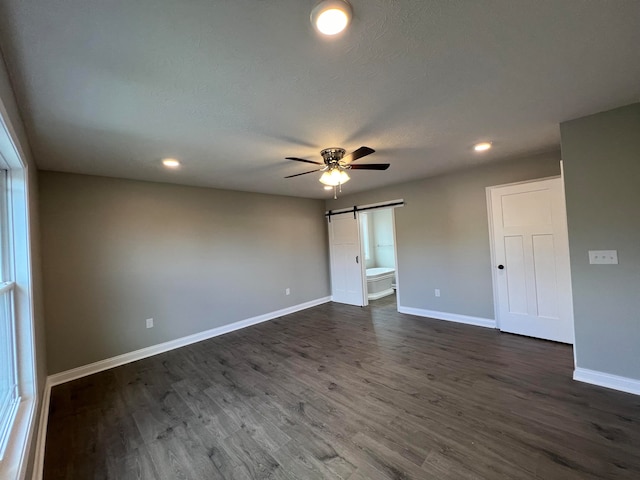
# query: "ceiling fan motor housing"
332,156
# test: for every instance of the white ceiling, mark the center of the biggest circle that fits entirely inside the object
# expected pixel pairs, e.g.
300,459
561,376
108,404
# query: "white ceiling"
233,87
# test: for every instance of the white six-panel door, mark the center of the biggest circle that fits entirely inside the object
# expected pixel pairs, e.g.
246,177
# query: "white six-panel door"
531,254
346,260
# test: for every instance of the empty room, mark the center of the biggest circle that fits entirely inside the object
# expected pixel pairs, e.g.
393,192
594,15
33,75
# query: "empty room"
319,239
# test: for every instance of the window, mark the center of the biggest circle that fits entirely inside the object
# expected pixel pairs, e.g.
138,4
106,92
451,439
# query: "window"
366,244
18,392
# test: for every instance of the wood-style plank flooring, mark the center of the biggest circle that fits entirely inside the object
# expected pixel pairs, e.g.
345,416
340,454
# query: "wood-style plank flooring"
340,392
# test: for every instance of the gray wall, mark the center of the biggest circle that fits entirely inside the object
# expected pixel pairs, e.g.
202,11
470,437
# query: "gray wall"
601,156
8,100
442,233
116,252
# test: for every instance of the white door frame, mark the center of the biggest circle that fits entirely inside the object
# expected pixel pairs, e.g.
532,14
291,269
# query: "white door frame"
395,256
494,273
363,265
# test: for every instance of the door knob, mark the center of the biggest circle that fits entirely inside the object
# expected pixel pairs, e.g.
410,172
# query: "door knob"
500,267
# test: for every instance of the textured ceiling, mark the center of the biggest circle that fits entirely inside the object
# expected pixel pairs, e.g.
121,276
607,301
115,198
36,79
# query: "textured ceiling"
232,87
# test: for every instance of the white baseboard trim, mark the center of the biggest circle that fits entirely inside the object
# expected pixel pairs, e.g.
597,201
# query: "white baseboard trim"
41,438
451,317
383,293
112,362
607,380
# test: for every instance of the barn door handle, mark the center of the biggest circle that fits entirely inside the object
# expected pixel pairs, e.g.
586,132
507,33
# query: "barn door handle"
357,259
500,267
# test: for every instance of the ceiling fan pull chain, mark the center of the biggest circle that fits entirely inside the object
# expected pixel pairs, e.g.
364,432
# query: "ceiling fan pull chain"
335,193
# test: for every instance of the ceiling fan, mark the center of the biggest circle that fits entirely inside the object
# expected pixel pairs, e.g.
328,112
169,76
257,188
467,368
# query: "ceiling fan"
336,164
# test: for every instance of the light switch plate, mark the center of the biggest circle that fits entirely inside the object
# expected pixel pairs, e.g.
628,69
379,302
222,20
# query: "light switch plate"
603,257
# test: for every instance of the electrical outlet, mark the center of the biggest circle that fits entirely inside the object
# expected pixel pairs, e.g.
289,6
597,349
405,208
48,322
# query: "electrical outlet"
287,291
149,322
437,292
603,257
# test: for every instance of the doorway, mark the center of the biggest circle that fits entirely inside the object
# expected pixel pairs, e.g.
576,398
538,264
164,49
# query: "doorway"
378,251
530,254
362,247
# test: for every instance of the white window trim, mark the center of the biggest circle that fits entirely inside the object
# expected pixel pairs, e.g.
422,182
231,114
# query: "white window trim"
12,158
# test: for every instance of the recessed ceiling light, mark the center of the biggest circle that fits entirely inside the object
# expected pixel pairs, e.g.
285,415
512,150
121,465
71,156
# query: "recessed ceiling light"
171,163
482,147
331,17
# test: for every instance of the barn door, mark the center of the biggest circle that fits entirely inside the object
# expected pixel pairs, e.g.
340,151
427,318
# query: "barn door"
346,260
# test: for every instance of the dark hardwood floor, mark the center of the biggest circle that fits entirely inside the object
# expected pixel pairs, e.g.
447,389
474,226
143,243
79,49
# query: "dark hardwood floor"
340,392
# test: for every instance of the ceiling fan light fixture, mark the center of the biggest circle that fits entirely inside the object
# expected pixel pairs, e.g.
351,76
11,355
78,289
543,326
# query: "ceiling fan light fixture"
331,17
334,177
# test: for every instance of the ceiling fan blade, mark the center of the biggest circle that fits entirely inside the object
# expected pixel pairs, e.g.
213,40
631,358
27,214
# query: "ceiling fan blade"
357,154
370,166
303,173
303,160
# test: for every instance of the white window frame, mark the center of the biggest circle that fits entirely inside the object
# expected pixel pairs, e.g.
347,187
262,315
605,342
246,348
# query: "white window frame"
12,158
9,404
